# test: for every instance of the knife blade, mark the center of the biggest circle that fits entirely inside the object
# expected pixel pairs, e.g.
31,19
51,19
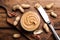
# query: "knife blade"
46,19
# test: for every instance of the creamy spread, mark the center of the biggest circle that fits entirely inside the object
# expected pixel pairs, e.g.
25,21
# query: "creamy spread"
30,21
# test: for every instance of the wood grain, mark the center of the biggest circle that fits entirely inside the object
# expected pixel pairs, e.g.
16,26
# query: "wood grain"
10,3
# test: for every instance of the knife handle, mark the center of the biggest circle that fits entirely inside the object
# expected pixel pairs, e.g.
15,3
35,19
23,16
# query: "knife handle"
54,32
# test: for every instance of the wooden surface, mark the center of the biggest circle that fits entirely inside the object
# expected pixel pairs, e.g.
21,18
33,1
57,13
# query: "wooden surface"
6,28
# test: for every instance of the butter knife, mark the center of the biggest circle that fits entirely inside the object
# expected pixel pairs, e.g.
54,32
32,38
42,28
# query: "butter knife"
46,19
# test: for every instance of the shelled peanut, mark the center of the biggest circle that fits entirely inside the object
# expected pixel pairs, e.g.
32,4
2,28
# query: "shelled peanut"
16,20
46,28
12,14
37,37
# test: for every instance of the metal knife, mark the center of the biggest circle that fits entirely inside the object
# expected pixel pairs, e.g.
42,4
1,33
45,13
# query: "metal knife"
46,19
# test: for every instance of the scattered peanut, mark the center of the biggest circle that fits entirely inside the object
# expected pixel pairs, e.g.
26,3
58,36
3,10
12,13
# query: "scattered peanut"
37,32
25,5
12,14
16,35
37,37
15,23
18,7
48,6
53,14
16,20
46,27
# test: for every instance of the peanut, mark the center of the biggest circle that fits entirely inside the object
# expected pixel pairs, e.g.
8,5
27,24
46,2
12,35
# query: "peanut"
18,7
48,6
15,23
25,5
13,14
53,14
37,32
46,27
16,35
37,37
16,20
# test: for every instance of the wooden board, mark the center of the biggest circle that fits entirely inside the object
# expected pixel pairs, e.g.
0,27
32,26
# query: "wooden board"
10,3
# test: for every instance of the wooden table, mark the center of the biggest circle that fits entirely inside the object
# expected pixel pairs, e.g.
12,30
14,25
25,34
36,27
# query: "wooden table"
6,30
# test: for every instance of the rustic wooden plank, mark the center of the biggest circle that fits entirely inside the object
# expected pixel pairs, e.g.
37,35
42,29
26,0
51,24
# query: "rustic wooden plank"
10,3
7,34
3,20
